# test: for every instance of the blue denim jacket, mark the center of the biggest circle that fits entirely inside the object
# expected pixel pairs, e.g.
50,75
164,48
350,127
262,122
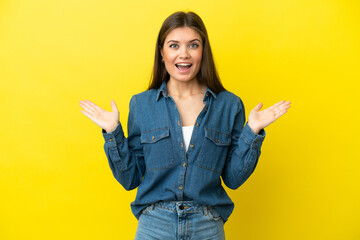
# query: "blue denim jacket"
153,156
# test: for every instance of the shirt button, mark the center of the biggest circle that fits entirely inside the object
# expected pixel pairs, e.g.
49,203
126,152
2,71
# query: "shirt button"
153,137
184,164
110,139
205,109
179,123
182,145
218,140
207,94
191,145
180,187
197,124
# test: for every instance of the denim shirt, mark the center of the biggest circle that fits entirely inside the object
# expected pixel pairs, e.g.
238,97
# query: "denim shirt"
153,156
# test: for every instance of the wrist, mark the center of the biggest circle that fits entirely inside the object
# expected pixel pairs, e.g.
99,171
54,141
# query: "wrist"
111,127
253,128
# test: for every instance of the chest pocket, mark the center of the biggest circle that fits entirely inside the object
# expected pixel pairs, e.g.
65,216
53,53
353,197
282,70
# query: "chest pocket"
214,149
158,151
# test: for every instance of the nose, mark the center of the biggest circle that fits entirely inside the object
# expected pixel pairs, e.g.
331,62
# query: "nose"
184,53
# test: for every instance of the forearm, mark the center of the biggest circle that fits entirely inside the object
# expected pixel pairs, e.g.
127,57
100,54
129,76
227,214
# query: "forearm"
122,159
242,161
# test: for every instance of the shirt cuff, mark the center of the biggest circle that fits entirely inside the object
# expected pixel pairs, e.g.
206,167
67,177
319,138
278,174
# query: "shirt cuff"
251,138
114,137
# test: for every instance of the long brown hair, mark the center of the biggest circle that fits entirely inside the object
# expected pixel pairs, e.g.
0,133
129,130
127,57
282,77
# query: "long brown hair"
207,74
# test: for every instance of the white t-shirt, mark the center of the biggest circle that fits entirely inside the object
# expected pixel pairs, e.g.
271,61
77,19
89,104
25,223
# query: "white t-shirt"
187,132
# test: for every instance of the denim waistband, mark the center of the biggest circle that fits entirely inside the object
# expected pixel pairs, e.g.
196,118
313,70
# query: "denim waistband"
181,206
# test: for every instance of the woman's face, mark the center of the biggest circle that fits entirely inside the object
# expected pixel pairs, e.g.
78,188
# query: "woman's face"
182,53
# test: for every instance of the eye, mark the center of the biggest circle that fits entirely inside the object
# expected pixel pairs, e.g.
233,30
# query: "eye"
174,45
194,45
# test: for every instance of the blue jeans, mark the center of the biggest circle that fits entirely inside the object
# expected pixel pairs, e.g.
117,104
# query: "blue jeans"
180,221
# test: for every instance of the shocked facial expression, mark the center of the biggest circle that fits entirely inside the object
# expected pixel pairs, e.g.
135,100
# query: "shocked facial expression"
182,53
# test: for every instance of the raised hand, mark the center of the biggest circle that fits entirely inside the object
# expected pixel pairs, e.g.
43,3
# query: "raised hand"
258,120
104,119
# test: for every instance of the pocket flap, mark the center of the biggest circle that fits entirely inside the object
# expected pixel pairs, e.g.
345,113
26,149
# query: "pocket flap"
153,136
219,138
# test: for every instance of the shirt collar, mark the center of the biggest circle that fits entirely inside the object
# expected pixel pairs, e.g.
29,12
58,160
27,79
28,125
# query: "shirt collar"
208,93
163,91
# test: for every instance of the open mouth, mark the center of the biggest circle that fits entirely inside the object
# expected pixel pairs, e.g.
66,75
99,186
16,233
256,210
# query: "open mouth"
183,66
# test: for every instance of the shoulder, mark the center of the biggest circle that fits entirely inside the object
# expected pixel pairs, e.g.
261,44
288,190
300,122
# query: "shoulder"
145,96
228,98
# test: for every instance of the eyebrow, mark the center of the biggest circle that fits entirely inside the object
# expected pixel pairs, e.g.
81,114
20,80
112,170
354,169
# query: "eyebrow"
178,41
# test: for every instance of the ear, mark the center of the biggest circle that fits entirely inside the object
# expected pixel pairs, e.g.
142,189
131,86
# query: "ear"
161,52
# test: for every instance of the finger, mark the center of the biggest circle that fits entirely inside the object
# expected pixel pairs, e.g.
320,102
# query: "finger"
276,105
87,108
86,114
258,107
113,106
285,104
280,113
282,107
92,105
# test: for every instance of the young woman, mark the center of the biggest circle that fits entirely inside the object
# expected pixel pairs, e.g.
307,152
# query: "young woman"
184,133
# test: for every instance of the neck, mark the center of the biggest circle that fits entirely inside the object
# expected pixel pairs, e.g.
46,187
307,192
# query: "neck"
184,89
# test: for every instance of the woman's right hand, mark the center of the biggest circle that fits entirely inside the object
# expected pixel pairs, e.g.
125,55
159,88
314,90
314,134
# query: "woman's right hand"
104,119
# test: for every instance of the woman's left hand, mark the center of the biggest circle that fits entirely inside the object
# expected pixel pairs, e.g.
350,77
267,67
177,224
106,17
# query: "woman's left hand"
258,120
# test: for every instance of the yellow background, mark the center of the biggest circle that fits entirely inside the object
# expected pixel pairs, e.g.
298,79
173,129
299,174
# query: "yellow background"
55,182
